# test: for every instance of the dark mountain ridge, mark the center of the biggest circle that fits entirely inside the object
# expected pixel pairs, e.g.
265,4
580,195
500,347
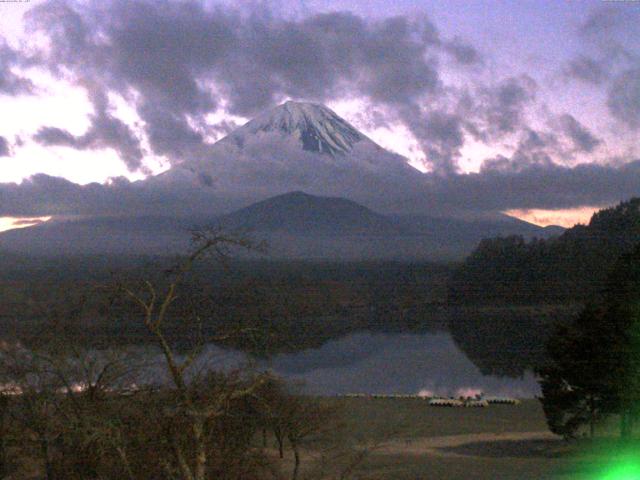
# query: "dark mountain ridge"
296,225
298,212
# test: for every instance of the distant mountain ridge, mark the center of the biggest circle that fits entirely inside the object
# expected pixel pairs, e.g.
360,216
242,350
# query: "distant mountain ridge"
299,212
348,198
296,225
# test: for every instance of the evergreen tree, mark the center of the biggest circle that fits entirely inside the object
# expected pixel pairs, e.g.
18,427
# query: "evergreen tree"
622,318
576,388
594,363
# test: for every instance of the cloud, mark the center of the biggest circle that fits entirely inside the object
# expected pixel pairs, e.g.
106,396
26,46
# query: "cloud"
624,97
11,83
463,52
487,114
587,69
50,136
611,31
105,131
441,135
583,140
604,20
178,61
170,134
5,151
228,177
519,182
58,196
538,185
534,150
504,104
268,163
223,128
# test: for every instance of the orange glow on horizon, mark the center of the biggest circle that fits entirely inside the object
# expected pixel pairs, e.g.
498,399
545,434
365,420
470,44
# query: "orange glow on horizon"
565,217
11,223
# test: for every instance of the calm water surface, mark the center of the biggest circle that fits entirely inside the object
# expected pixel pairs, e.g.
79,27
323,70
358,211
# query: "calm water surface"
387,363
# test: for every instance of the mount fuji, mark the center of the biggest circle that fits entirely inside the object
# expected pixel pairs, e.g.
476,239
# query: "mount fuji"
298,176
318,128
301,147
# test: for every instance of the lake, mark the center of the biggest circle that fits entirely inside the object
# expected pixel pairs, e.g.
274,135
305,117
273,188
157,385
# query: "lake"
388,363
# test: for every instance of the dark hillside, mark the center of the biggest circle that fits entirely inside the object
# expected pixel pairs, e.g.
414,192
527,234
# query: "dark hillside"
509,293
566,269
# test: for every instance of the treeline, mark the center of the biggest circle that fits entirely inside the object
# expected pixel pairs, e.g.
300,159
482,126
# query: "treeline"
71,412
287,305
506,340
570,268
510,294
73,407
593,366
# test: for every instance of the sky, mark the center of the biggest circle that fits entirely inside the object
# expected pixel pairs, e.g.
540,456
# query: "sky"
529,107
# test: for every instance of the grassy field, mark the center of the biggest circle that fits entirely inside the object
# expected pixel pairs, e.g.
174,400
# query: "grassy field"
411,440
411,418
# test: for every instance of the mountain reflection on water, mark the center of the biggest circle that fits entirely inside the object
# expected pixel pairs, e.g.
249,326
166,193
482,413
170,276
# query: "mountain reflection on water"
389,363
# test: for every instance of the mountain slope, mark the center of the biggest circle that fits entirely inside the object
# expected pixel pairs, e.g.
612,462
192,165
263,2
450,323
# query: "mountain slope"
301,146
296,225
301,213
510,294
569,268
140,235
317,127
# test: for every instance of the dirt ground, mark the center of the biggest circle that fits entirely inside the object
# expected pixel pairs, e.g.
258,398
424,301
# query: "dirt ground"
415,442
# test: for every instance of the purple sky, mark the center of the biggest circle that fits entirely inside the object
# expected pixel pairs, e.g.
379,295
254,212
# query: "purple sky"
485,95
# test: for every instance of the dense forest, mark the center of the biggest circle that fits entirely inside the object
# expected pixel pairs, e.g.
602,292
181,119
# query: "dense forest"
564,269
509,294
287,305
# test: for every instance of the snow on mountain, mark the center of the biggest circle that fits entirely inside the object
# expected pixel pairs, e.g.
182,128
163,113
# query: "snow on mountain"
315,126
306,147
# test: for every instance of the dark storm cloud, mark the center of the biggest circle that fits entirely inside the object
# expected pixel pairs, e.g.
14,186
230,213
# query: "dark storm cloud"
504,104
583,140
181,59
440,134
624,97
105,131
462,52
5,151
544,185
11,83
587,69
536,185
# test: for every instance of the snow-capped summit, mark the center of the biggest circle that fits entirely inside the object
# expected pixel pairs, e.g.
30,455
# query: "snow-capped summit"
298,146
317,127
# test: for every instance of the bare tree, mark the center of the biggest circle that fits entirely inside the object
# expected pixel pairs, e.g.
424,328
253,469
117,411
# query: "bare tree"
155,301
28,377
